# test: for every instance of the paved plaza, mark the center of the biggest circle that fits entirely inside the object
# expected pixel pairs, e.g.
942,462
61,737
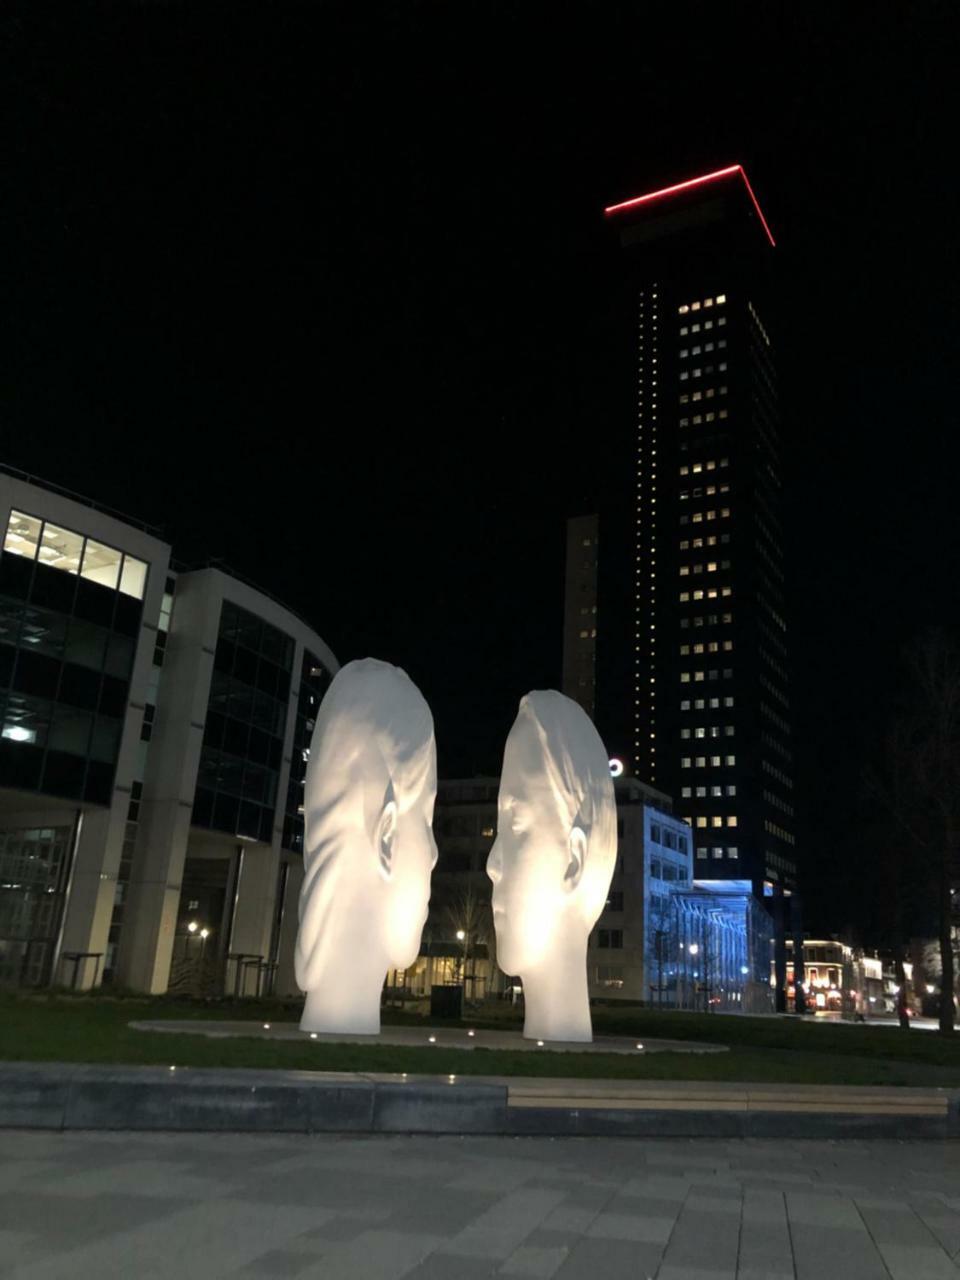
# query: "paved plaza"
200,1206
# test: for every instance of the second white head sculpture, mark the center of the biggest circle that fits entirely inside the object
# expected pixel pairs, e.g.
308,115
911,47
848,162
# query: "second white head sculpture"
552,861
369,793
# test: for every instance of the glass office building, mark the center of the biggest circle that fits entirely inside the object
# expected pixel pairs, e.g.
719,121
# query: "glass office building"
154,729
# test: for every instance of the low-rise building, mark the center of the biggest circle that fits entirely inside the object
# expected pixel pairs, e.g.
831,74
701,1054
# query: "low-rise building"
663,938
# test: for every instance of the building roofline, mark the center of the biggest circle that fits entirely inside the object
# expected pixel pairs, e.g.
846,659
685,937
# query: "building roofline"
219,566
155,531
701,180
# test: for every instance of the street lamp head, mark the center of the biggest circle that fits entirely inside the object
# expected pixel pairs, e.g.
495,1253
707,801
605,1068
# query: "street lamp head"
461,935
204,933
192,927
694,949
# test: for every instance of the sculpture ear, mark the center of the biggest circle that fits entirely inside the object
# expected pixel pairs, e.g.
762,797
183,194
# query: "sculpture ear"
578,854
386,835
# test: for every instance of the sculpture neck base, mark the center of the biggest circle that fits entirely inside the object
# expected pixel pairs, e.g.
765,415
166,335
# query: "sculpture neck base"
557,1002
345,1003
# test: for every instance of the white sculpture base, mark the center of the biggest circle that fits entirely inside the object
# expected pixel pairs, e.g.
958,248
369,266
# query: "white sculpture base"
339,1017
556,1001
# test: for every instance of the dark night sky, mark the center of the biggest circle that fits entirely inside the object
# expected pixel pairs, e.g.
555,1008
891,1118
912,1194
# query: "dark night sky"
325,290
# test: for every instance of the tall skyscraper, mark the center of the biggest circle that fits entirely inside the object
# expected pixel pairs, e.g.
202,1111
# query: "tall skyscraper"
580,613
691,677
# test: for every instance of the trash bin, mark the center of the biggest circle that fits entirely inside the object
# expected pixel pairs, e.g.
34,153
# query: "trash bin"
446,1001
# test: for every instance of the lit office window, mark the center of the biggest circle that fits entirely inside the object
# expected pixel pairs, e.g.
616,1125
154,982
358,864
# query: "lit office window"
133,579
23,535
731,820
61,548
101,564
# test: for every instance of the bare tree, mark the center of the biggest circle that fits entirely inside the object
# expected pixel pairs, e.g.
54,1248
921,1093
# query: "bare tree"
921,791
470,913
662,921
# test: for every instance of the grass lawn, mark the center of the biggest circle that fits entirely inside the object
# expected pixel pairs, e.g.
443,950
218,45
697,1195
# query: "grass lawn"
94,1029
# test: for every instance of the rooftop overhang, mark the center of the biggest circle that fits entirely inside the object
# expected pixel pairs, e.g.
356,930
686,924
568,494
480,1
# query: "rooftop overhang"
731,173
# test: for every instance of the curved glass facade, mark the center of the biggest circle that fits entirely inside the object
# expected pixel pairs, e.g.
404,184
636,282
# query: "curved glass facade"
246,720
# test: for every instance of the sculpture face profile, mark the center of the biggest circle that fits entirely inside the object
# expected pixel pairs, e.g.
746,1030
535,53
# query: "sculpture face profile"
368,850
552,861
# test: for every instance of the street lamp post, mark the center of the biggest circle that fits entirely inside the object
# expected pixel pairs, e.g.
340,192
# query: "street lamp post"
464,946
694,950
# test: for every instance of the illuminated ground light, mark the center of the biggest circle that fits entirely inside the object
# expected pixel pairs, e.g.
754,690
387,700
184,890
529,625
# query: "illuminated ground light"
539,1044
266,1026
432,1039
640,1047
313,1035
471,1034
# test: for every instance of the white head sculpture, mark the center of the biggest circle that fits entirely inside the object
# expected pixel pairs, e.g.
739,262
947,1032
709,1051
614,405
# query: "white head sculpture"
368,846
552,861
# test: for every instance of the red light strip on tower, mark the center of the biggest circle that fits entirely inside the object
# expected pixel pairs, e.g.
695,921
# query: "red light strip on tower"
688,185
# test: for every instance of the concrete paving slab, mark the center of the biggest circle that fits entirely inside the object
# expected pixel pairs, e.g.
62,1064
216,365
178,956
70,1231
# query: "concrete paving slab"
377,1206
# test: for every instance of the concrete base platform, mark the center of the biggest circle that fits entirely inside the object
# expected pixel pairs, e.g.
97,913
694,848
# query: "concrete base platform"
67,1096
424,1037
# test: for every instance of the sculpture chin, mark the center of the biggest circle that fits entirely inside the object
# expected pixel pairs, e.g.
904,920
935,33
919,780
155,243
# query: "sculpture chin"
406,956
510,959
